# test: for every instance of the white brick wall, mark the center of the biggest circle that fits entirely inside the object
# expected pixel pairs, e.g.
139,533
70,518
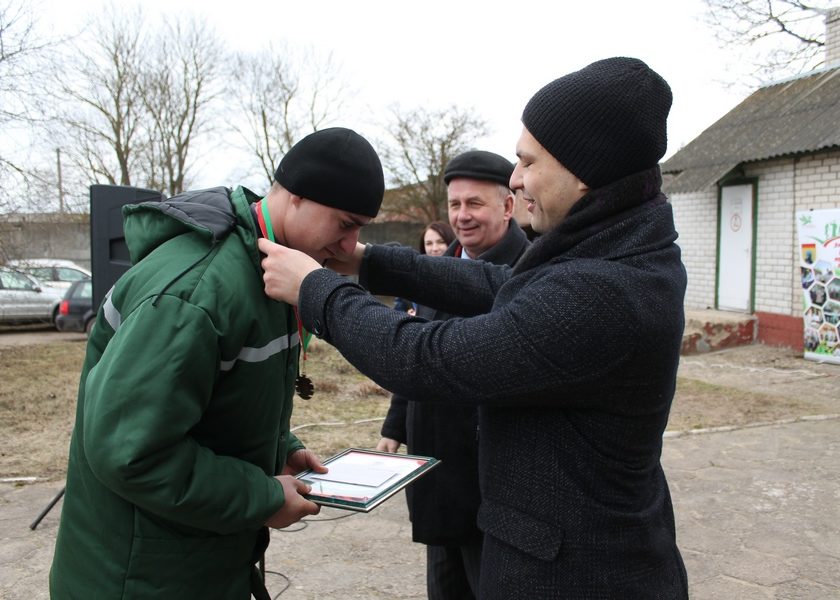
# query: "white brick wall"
785,186
696,220
775,236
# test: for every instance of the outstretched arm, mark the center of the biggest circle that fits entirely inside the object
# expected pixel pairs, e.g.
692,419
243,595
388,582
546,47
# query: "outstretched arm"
520,353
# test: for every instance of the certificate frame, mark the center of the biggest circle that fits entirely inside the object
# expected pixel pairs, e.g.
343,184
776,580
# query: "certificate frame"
361,480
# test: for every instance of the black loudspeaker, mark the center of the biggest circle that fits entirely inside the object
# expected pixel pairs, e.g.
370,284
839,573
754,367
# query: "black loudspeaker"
109,257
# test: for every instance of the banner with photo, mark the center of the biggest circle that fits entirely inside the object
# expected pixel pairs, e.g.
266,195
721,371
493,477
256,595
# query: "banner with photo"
819,266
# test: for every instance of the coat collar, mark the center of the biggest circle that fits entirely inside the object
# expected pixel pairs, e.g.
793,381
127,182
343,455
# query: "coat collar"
513,243
596,212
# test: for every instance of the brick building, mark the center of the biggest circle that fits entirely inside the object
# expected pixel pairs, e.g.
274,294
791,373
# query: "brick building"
736,189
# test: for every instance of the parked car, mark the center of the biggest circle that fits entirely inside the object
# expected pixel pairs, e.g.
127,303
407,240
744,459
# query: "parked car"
75,313
24,300
52,272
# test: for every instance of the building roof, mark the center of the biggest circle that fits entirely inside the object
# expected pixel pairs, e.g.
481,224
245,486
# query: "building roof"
788,118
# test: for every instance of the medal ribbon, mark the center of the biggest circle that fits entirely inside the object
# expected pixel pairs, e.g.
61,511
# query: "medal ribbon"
264,221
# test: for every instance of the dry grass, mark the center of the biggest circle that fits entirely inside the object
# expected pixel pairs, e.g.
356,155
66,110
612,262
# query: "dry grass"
37,404
38,400
699,404
39,382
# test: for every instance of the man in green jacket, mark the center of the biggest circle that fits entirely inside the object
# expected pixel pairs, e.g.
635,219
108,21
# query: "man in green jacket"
181,453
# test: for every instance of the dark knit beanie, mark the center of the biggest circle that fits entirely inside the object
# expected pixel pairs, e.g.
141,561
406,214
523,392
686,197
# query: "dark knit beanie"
481,165
603,122
336,167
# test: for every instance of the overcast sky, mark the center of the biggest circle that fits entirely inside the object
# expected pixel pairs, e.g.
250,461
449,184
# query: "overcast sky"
487,55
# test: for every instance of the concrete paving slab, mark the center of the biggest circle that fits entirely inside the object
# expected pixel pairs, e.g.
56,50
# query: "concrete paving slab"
758,510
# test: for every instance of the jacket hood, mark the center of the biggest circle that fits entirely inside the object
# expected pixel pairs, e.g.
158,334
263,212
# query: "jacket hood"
149,224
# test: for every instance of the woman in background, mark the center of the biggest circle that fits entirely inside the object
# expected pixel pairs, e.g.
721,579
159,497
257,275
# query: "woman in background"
436,238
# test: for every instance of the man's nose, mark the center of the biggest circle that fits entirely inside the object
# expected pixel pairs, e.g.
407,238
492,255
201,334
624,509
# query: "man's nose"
516,178
349,241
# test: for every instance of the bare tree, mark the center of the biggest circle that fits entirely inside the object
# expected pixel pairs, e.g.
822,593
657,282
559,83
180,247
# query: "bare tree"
23,52
779,37
424,141
178,86
281,96
137,98
17,44
103,108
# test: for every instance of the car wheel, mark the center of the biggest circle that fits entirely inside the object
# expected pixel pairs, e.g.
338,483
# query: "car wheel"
55,318
89,326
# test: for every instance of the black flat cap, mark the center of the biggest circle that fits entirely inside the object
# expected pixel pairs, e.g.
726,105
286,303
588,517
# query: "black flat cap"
481,165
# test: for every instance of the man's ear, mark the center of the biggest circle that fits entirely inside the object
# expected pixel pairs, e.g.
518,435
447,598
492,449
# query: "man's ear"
509,202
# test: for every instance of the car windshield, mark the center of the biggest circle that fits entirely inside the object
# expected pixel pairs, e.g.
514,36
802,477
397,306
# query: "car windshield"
16,281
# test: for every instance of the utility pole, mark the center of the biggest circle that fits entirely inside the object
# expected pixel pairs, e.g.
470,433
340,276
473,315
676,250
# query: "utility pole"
60,184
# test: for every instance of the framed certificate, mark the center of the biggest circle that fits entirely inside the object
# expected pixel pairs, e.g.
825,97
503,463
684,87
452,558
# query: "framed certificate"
361,480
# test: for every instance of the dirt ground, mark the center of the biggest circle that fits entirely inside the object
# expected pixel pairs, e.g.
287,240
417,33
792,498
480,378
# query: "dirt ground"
39,369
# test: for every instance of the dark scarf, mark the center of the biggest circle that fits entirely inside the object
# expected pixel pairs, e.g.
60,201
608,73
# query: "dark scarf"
595,212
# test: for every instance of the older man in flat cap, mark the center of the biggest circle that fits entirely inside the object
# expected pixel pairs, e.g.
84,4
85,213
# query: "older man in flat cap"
443,505
181,453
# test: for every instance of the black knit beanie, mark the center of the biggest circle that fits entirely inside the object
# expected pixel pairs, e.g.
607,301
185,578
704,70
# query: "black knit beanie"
481,165
336,167
603,122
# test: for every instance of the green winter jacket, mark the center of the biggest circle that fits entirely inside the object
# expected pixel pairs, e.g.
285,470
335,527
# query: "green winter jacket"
183,412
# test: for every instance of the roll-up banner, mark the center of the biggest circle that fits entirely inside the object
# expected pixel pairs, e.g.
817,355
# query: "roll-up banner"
819,266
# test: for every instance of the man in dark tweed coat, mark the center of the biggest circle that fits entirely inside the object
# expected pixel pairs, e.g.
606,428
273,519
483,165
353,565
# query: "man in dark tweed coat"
571,355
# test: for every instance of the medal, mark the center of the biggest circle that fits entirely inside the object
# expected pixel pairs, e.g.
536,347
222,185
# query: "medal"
303,385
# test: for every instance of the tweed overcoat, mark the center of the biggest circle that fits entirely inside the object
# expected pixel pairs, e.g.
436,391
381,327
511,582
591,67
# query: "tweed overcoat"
572,358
